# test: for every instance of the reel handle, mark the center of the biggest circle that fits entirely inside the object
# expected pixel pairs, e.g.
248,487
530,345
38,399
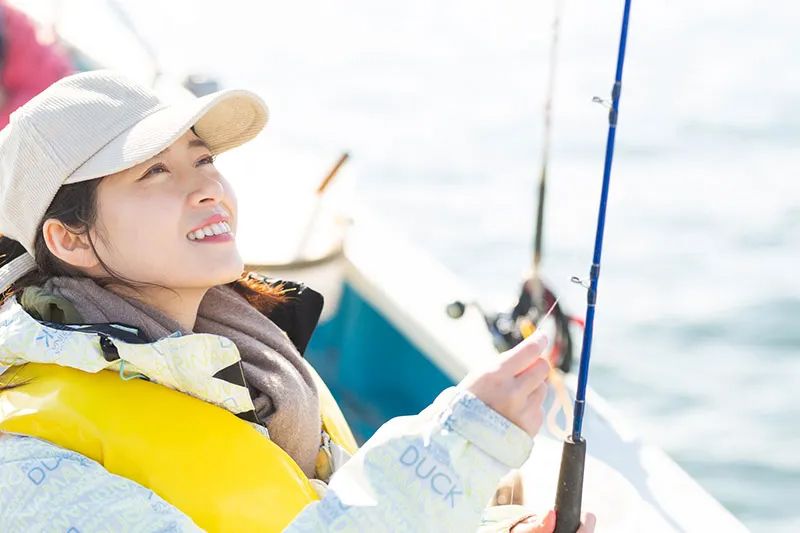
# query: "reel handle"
570,486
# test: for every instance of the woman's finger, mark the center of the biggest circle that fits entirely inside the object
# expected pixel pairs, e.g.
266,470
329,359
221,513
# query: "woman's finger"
588,523
536,524
510,490
534,376
536,398
523,354
531,418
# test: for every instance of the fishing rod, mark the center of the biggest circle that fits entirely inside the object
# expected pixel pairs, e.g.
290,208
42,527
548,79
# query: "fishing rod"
547,134
536,301
197,83
311,222
535,294
570,481
124,17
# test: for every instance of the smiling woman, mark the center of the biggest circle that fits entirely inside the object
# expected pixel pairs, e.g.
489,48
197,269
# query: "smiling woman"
172,199
133,344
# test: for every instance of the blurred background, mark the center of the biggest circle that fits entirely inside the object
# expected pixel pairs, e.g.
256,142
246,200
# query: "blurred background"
440,105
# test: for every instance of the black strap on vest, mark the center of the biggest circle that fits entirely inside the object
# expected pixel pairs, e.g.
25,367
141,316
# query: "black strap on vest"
300,315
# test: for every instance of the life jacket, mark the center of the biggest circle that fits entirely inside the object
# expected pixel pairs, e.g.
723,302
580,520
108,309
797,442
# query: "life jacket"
204,459
210,464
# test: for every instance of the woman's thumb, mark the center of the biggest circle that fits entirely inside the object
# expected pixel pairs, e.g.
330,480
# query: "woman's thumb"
537,524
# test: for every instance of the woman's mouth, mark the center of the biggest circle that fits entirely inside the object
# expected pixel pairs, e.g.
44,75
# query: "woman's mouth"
218,232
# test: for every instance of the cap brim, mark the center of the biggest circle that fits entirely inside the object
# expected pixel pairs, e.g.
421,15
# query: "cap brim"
223,120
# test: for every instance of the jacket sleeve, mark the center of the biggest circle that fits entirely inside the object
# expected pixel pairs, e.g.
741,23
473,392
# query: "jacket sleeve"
47,488
435,471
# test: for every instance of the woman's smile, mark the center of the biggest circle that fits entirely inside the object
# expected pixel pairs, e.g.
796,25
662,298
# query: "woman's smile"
222,237
214,233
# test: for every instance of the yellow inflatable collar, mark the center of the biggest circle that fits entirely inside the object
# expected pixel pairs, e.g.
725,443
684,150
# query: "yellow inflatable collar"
202,459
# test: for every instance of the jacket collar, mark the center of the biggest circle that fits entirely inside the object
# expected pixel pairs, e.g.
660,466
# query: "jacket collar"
202,365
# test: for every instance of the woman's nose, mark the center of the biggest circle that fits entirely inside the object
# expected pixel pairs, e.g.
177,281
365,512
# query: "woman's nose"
207,190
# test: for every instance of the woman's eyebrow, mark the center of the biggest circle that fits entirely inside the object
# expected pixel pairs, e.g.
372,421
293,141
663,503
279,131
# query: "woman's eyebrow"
195,143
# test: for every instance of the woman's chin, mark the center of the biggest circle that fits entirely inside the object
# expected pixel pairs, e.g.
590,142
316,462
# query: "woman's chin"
204,276
232,272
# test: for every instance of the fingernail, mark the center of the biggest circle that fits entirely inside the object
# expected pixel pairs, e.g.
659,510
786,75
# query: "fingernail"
543,519
540,339
549,519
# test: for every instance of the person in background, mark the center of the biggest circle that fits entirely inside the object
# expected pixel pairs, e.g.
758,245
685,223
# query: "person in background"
28,64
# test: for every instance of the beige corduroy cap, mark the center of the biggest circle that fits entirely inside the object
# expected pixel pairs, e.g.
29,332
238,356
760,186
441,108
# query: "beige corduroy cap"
93,124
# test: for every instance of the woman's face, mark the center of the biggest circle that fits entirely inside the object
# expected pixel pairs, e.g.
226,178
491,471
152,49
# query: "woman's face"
170,220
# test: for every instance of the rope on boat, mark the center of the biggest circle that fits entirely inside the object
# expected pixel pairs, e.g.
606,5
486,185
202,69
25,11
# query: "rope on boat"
561,402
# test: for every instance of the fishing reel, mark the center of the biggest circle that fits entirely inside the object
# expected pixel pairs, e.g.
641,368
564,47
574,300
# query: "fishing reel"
509,328
534,301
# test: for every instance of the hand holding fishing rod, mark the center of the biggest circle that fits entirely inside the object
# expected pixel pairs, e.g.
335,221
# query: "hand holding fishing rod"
514,385
570,482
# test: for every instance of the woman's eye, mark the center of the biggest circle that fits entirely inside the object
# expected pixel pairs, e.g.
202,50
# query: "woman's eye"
207,160
156,169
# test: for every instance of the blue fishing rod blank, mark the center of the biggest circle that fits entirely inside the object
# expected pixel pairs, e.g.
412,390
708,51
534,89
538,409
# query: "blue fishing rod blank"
570,482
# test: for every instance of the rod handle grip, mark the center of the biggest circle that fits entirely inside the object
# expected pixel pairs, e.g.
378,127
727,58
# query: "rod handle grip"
570,486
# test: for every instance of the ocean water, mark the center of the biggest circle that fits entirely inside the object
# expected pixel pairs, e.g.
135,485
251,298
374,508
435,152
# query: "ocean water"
440,104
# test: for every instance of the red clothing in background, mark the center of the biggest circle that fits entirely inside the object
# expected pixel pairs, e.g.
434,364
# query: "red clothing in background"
28,65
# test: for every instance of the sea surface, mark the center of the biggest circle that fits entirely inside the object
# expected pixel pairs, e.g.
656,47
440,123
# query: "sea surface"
697,338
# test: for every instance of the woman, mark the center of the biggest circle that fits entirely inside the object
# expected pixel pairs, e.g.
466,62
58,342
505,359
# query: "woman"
120,255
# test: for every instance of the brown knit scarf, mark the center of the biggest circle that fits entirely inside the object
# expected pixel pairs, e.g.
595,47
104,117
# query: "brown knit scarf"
283,391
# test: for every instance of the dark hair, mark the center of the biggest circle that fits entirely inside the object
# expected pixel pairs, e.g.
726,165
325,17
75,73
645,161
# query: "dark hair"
75,205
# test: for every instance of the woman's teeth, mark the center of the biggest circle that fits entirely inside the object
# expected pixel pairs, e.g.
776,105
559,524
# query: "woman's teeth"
208,231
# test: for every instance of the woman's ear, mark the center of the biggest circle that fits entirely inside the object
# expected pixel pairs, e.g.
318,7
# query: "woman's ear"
71,247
